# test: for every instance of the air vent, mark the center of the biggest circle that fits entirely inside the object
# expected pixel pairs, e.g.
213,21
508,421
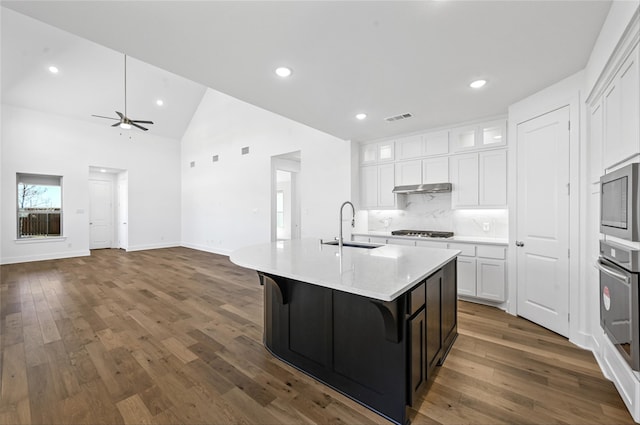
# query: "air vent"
215,158
245,150
192,164
399,117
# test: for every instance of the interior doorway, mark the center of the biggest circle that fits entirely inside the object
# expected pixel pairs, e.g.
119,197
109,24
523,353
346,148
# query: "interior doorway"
285,196
542,238
108,208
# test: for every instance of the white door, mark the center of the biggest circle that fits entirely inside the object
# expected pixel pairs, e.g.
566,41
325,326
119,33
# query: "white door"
123,215
100,214
543,220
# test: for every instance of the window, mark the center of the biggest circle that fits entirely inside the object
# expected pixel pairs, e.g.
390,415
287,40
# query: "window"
280,209
39,212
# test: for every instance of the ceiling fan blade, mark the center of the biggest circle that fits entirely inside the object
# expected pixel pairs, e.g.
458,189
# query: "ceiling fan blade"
109,118
142,122
116,124
120,115
139,126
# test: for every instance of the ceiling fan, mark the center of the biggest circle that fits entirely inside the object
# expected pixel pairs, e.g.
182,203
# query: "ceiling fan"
124,121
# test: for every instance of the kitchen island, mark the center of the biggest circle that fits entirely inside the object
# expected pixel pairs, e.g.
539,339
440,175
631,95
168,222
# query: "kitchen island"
370,323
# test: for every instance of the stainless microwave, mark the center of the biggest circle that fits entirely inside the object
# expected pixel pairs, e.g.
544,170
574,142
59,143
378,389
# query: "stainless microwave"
620,203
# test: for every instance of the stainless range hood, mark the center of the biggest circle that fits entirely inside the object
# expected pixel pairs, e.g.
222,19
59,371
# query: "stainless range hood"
423,188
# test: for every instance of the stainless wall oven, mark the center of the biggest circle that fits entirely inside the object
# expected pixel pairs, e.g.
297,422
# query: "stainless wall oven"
620,203
619,299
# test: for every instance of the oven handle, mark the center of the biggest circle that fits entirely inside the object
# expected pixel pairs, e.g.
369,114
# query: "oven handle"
611,272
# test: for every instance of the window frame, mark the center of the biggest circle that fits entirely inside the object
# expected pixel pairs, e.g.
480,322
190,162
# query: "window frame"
43,180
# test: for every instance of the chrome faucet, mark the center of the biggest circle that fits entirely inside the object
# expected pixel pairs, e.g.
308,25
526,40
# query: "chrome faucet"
353,220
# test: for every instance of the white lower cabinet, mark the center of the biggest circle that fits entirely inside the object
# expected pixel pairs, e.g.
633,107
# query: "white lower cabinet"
490,279
466,276
481,268
481,271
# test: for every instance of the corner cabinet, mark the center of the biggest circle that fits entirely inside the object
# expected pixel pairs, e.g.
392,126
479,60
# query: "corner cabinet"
479,179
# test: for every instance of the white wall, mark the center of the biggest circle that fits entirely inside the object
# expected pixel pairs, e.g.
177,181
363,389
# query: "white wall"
34,142
227,204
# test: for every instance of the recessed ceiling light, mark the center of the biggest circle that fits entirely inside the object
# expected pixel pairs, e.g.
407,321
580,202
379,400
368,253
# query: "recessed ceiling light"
125,126
283,71
103,170
361,116
159,102
53,69
477,84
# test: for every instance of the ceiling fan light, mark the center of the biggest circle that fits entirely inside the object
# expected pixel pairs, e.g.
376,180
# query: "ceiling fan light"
125,126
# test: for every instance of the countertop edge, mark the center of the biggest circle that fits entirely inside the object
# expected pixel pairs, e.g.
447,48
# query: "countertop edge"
381,296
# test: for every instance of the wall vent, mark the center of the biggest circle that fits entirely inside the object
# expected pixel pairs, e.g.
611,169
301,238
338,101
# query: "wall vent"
215,158
399,117
192,164
245,150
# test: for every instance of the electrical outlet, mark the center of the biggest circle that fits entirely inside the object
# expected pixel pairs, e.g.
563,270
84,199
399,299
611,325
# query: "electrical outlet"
486,226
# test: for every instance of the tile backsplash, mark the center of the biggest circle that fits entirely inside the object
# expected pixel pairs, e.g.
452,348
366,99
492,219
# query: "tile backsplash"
433,212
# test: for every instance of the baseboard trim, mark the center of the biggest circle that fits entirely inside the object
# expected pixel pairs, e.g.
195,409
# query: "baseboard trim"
44,257
152,246
219,251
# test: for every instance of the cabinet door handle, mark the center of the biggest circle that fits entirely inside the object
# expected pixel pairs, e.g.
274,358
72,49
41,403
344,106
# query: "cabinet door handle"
519,243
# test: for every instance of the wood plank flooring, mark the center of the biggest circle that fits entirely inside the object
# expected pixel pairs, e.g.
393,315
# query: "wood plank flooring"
174,336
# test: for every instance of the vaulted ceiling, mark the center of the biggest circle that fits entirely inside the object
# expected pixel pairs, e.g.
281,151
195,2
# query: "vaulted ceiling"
382,58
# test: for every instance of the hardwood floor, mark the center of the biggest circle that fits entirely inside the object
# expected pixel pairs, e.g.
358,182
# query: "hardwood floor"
174,336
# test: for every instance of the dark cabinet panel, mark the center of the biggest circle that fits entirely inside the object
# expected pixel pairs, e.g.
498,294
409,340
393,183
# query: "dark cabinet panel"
418,361
433,334
449,302
310,322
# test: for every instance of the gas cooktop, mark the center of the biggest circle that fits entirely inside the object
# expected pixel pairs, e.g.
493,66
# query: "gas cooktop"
422,233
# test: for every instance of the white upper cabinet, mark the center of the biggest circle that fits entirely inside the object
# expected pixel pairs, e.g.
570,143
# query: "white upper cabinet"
417,146
464,177
376,186
369,186
373,153
435,143
621,102
408,172
493,178
369,154
485,135
386,183
386,152
409,147
479,179
435,170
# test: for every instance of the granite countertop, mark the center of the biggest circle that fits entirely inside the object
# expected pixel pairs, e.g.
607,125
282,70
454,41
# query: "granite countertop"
455,239
382,273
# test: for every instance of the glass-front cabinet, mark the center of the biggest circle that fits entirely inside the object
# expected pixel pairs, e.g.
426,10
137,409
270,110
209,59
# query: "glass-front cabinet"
479,136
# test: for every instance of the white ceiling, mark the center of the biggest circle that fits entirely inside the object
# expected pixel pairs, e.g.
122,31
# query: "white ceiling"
383,57
90,80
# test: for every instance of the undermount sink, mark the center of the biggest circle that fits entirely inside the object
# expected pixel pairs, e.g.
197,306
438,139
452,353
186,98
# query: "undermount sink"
354,244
